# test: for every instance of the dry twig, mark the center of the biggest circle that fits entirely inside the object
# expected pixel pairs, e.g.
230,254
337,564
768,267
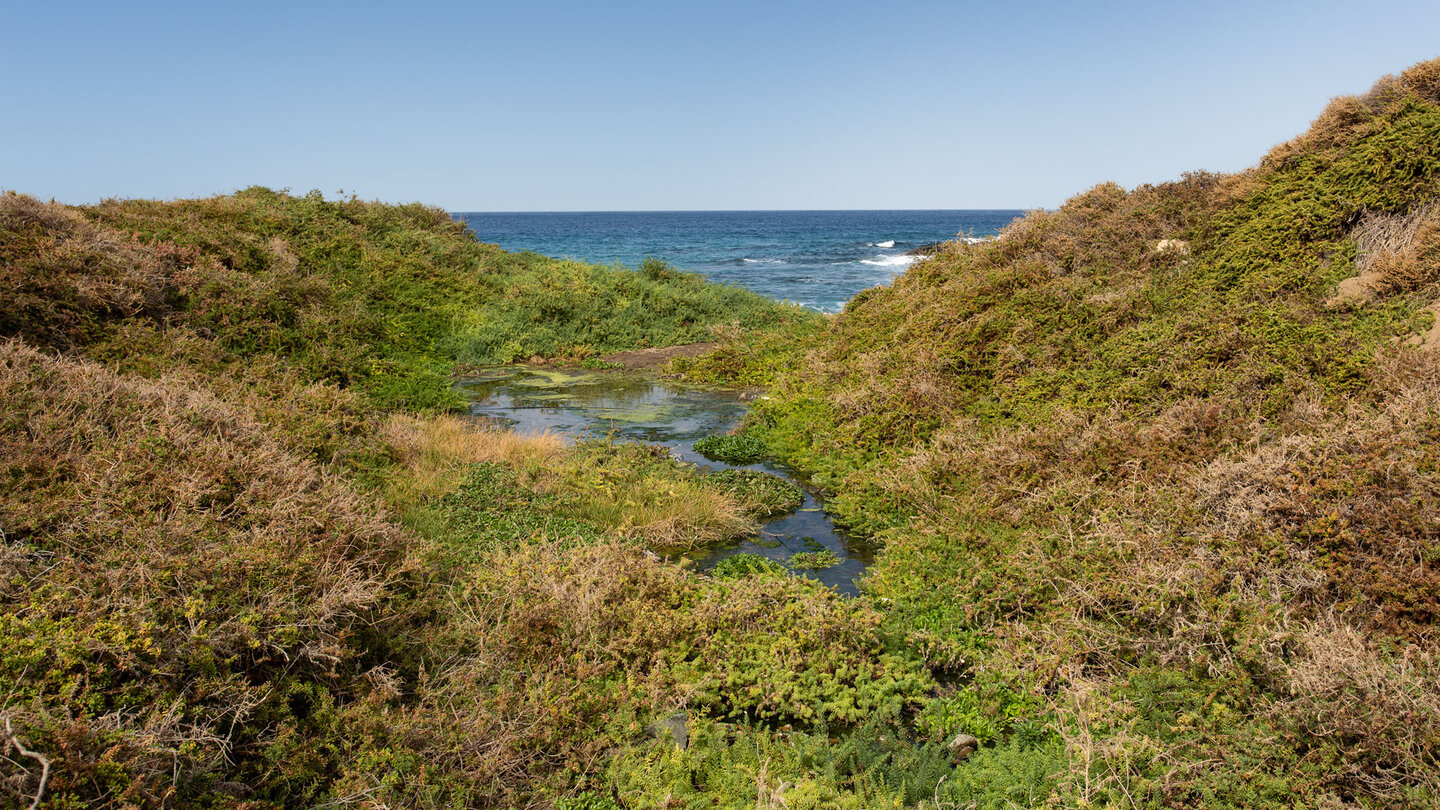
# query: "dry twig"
35,755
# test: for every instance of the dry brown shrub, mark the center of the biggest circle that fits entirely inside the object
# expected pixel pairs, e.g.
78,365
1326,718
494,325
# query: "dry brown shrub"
1424,80
280,251
1398,253
1108,235
1336,124
436,449
1042,472
194,558
1347,116
885,392
64,276
1339,123
1359,492
1381,708
508,696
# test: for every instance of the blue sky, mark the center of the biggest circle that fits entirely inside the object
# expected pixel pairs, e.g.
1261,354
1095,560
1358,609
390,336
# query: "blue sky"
672,105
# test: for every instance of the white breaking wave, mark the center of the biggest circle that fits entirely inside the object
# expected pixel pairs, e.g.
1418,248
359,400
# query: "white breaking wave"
763,261
890,261
890,243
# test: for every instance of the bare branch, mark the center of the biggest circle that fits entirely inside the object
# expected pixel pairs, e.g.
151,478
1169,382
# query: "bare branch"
35,755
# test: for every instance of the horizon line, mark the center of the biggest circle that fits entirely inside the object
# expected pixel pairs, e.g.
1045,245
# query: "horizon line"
742,210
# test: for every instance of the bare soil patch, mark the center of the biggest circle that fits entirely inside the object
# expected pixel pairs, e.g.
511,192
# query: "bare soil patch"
654,359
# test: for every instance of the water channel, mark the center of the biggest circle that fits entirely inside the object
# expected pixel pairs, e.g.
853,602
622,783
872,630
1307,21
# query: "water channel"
633,407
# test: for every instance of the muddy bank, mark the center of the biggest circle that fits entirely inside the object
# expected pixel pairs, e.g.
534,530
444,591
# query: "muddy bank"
655,359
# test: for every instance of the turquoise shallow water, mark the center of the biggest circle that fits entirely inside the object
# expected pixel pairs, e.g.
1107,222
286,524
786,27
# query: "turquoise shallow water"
632,407
819,259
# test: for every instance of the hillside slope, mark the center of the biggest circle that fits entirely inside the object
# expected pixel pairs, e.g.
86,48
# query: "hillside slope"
246,560
378,298
1159,468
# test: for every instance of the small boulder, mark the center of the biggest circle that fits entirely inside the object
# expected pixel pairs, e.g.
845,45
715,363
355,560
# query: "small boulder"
675,728
1177,246
1429,341
1355,290
963,745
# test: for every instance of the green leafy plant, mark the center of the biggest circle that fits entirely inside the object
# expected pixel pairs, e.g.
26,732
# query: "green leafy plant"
739,448
814,560
746,564
764,494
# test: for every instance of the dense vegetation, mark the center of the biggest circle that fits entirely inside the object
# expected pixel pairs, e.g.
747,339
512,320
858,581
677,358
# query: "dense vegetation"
379,299
1157,472
236,571
1155,476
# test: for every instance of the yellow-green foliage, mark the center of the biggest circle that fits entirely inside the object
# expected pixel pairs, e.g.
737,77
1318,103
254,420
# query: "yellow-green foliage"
1138,460
639,491
763,494
751,357
879,765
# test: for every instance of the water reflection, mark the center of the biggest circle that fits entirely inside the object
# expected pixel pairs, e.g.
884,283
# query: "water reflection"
596,404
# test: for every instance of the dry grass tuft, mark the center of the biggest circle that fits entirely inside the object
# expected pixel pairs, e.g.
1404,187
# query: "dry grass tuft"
685,516
436,449
1399,253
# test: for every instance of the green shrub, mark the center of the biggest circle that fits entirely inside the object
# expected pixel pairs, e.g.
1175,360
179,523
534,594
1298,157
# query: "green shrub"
653,269
1143,479
746,564
587,801
741,448
764,494
814,560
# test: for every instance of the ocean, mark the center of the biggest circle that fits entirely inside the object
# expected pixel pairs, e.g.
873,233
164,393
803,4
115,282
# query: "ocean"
818,259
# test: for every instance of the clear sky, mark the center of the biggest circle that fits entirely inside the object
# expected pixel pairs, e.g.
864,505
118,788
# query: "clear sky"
538,105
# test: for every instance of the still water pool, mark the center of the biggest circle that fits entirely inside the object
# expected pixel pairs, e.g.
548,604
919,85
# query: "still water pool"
632,407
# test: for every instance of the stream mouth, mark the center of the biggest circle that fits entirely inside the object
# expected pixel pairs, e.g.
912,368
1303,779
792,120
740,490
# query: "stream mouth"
632,407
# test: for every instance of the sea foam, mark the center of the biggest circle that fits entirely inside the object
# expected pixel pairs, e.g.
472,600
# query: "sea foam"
890,261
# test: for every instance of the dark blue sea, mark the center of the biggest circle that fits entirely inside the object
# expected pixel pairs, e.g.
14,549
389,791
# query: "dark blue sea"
815,258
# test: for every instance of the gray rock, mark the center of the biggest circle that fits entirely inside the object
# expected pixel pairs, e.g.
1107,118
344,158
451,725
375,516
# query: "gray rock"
675,728
926,250
963,745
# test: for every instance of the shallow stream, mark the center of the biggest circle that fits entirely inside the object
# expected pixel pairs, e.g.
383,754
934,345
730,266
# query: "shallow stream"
596,404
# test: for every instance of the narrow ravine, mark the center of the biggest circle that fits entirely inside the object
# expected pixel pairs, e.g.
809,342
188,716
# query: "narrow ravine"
633,407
